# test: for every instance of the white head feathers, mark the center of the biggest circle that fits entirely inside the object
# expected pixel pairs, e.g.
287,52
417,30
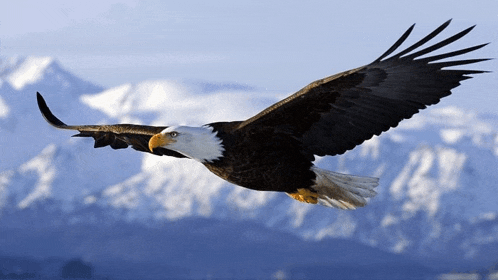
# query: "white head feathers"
199,143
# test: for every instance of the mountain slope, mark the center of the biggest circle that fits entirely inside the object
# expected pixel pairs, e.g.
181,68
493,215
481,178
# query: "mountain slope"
20,124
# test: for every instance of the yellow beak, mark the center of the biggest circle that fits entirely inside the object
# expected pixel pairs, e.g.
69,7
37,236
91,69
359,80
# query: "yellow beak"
159,140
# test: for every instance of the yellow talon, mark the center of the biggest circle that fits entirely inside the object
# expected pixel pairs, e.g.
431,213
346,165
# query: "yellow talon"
305,195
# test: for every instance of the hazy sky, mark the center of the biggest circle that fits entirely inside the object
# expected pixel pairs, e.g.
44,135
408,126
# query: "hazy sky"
279,46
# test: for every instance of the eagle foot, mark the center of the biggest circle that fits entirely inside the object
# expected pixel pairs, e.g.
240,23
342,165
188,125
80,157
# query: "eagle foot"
305,195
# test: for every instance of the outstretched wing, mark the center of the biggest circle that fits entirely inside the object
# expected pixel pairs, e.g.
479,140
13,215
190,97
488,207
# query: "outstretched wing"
333,115
118,136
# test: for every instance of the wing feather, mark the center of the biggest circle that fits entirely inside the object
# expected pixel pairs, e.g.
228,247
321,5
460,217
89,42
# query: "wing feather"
117,136
334,114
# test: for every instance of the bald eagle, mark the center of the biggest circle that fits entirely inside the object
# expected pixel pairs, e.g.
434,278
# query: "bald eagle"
275,149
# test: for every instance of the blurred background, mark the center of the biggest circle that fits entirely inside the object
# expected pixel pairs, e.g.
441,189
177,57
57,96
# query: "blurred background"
125,215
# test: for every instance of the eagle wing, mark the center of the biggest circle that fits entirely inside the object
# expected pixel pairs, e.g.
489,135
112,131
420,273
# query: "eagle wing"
333,115
117,136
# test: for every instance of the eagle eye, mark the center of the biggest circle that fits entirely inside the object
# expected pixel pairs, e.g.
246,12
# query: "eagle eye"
173,134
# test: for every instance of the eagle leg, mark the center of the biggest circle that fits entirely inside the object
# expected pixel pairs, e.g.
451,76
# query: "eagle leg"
305,195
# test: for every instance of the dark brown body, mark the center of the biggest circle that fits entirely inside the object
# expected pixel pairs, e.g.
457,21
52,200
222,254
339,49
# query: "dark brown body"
281,164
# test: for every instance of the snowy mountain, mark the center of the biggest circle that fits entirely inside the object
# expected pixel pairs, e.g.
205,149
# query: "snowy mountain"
19,78
436,203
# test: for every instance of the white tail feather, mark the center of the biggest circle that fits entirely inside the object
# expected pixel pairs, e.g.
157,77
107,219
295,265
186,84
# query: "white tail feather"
343,190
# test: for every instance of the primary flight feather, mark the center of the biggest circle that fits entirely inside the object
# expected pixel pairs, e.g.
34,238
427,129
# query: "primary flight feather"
274,150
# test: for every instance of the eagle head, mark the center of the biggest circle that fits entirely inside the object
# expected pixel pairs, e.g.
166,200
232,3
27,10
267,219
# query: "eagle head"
199,143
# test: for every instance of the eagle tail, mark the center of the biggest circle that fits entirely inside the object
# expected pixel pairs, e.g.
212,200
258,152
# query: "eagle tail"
343,190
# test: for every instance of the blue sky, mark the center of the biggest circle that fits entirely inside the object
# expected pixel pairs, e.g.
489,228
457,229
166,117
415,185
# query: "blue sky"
278,46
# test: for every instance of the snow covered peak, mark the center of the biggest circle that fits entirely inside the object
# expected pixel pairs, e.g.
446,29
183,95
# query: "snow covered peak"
20,120
30,70
171,102
449,125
